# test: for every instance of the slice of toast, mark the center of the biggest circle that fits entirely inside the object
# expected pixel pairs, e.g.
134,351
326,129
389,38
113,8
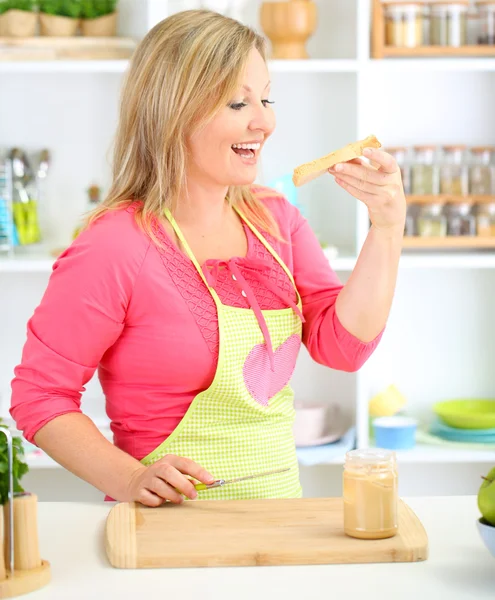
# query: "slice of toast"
309,171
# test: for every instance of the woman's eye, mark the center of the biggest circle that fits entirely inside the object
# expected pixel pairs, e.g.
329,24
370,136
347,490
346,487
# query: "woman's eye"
238,105
265,102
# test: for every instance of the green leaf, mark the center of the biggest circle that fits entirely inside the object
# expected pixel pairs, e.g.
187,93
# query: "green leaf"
61,8
20,468
92,9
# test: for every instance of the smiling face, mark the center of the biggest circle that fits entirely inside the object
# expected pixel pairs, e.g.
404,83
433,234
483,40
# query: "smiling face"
226,151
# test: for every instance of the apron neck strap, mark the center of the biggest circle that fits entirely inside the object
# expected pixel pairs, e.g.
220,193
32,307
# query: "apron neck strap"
189,252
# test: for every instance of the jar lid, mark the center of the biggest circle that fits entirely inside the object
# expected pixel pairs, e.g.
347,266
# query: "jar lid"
452,147
480,149
485,2
395,149
370,457
424,147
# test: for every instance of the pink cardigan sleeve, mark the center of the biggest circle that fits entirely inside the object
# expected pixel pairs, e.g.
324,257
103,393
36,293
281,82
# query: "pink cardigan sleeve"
80,316
326,339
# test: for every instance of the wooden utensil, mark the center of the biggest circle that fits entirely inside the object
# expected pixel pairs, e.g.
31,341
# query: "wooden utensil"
23,570
289,25
295,531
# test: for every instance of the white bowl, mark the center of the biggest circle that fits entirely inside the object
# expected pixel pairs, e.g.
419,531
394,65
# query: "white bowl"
487,533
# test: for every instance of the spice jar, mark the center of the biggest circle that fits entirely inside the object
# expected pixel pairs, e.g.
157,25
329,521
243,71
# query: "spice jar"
403,24
448,23
485,220
370,491
460,220
482,172
411,216
486,20
432,221
454,173
424,172
399,153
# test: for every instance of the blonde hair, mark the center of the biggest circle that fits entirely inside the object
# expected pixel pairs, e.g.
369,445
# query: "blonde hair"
182,73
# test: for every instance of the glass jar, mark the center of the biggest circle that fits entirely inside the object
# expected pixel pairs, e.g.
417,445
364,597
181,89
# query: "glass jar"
486,20
482,171
403,24
399,153
432,221
485,220
448,23
370,492
454,173
424,172
461,220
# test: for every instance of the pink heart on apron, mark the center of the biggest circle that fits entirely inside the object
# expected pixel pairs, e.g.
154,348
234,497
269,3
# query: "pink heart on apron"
263,383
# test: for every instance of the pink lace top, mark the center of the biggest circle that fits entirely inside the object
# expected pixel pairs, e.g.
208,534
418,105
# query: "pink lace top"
142,316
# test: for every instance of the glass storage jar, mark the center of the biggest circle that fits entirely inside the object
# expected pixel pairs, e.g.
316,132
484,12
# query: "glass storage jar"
460,219
486,20
403,24
432,221
370,493
424,172
482,171
454,173
411,218
399,153
485,220
448,23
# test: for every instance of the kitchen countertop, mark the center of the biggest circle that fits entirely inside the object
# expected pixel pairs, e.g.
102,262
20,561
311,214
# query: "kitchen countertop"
459,565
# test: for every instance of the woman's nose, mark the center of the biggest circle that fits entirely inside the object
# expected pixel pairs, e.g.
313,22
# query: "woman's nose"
263,120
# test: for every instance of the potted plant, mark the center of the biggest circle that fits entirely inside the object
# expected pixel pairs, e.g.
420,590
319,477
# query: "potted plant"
18,18
99,18
59,18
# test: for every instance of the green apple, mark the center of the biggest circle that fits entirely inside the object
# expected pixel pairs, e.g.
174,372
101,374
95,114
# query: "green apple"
486,497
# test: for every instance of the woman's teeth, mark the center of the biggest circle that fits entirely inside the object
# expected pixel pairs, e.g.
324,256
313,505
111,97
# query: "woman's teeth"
246,150
246,146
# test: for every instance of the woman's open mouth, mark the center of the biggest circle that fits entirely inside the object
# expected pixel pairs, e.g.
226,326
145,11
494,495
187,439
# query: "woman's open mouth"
247,152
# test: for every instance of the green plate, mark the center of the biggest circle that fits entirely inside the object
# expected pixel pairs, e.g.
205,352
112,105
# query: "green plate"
476,413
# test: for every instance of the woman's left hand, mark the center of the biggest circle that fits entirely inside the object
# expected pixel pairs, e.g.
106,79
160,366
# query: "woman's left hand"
380,188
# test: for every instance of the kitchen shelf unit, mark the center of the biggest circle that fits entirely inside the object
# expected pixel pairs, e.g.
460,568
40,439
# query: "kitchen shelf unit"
349,95
380,50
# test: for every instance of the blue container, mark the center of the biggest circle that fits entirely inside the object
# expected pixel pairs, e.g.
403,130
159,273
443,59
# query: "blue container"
395,433
285,186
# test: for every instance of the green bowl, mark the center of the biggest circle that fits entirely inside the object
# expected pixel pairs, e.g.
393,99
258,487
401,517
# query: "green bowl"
476,413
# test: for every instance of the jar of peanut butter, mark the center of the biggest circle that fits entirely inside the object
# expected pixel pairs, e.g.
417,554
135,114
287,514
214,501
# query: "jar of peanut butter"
370,490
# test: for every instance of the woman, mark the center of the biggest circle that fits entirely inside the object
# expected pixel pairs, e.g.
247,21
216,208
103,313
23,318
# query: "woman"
190,290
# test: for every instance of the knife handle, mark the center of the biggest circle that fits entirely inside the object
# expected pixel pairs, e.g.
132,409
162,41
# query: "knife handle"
205,486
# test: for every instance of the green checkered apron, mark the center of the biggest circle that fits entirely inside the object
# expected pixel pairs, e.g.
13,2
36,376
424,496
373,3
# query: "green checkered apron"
242,424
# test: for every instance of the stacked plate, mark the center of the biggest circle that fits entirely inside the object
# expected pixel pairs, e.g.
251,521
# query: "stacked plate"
465,420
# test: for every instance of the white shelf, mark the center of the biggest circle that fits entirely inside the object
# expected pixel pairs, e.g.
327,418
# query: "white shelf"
314,65
27,264
448,260
437,454
64,66
336,65
430,64
43,263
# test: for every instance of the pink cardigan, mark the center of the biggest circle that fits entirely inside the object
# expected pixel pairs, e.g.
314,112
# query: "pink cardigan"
143,317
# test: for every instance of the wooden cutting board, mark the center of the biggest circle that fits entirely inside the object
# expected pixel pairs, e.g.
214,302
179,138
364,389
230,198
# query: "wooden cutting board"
300,531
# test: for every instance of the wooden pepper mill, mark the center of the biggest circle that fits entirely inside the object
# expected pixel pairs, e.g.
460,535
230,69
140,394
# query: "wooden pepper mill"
289,25
21,568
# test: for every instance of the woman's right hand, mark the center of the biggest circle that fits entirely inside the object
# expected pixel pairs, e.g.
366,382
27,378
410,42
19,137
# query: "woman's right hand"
166,480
